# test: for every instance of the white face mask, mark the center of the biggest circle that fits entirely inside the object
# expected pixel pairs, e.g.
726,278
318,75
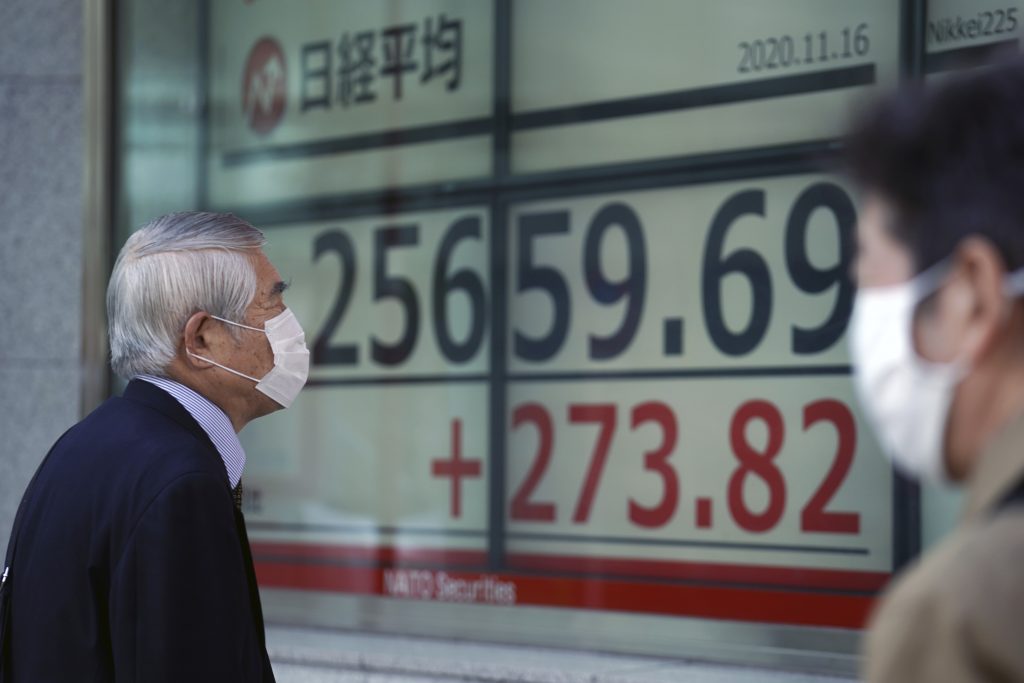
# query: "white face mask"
906,398
291,357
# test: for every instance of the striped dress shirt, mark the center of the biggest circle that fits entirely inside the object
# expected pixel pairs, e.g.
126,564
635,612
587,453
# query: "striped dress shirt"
212,419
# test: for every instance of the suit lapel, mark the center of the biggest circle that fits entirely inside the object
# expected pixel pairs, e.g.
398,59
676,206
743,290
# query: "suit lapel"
250,572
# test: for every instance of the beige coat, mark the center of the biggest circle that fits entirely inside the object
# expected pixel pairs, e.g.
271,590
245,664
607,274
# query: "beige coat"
957,614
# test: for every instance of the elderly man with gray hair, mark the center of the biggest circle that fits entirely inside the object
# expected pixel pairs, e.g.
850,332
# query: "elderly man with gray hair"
129,559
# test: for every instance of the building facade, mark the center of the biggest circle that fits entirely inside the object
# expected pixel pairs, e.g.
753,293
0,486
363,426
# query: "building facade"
575,280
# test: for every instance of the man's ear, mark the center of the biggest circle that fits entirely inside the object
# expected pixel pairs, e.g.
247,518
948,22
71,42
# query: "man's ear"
195,339
985,308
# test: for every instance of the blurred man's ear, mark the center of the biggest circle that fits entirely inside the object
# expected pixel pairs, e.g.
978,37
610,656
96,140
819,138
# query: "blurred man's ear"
963,320
984,307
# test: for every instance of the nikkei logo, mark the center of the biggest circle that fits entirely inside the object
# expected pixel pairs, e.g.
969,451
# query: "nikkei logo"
264,84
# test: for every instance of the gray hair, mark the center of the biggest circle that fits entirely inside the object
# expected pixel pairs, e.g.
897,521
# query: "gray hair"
171,268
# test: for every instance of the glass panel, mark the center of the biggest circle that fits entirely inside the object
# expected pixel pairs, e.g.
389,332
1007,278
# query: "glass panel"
340,97
158,108
397,394
694,421
665,78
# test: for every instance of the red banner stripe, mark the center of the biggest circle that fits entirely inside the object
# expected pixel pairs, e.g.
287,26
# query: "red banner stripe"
710,602
762,575
795,577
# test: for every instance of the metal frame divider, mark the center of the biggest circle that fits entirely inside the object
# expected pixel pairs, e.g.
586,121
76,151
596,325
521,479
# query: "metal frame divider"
99,187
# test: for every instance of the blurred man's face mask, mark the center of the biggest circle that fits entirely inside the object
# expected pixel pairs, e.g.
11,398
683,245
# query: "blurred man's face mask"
291,357
906,397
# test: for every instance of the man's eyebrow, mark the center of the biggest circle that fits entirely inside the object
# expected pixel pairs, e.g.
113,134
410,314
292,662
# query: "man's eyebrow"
279,287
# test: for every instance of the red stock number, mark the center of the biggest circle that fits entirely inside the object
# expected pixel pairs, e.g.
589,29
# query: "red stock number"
750,461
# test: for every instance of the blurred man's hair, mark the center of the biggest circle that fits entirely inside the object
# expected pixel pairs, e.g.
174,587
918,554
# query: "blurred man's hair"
948,158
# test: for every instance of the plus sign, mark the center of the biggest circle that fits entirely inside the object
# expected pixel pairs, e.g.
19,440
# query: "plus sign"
456,468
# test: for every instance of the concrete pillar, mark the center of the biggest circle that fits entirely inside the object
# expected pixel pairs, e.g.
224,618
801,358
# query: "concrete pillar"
41,227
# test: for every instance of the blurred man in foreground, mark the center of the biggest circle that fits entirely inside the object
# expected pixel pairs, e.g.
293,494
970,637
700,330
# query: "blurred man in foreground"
937,338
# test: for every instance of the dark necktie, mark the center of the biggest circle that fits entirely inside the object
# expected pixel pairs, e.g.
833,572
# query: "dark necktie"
237,494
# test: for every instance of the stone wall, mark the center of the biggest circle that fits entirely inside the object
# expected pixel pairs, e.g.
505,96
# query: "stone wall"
41,233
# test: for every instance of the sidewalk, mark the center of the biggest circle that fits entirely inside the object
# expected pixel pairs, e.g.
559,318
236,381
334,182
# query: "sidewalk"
323,656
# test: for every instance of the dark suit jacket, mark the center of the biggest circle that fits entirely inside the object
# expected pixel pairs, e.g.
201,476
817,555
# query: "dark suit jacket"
132,562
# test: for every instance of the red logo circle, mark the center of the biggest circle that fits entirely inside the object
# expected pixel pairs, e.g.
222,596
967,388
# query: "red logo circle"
264,84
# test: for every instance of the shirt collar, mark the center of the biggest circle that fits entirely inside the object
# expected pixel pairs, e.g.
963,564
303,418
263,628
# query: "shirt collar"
212,419
999,469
